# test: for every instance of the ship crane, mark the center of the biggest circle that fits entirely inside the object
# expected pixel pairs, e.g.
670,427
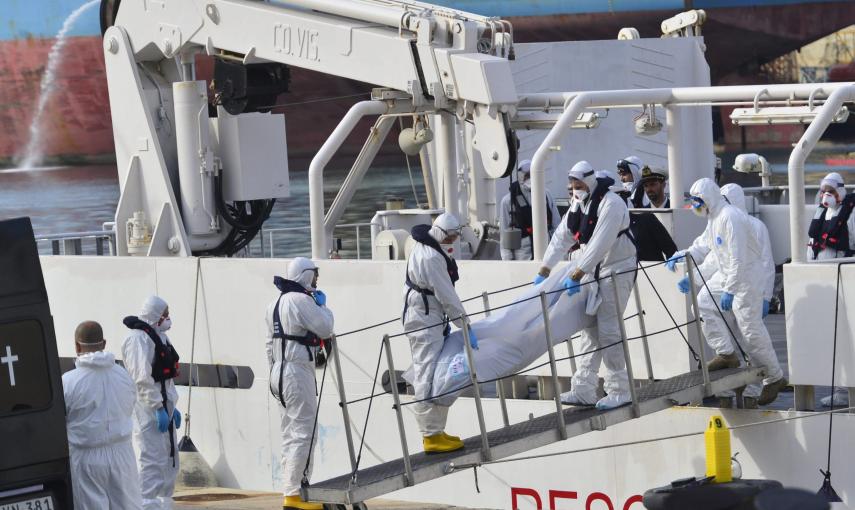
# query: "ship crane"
191,184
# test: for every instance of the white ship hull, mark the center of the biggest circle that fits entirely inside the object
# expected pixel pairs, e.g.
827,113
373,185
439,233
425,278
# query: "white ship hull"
237,430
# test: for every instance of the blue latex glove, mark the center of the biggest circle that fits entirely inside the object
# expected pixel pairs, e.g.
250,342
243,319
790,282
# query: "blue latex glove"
765,308
726,301
162,420
320,297
683,285
539,278
473,340
671,263
572,286
176,418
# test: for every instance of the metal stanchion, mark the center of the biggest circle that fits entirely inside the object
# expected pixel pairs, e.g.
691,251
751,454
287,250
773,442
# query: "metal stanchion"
629,374
690,271
393,380
343,401
572,354
547,332
473,377
648,363
500,384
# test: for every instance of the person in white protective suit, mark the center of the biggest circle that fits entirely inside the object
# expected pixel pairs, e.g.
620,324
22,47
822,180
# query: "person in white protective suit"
718,332
598,222
832,235
430,303
297,321
629,169
99,403
147,352
515,211
730,238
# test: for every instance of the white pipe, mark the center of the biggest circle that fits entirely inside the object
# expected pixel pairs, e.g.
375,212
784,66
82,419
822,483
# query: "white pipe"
427,176
357,172
675,156
446,160
681,95
363,11
320,161
382,12
796,166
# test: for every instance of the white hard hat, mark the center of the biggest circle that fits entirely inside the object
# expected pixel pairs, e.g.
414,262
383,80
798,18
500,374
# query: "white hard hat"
524,166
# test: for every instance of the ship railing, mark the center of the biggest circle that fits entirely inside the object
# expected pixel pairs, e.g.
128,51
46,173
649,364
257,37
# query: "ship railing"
71,243
269,236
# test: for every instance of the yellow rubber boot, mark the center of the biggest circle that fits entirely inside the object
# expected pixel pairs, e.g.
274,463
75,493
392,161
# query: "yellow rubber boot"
450,437
440,443
296,503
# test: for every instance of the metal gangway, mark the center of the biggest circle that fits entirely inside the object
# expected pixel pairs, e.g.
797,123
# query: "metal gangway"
517,438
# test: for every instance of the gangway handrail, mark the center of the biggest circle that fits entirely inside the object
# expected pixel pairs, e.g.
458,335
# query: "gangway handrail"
486,453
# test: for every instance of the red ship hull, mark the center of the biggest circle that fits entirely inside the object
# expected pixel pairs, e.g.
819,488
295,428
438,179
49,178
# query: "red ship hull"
78,125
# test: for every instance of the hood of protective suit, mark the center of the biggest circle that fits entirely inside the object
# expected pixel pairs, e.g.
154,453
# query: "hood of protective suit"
616,186
99,359
445,221
301,270
833,179
152,310
635,170
524,168
710,193
734,195
583,171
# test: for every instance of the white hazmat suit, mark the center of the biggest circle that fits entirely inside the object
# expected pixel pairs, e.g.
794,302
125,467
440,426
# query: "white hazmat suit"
732,240
716,331
610,249
427,270
157,468
523,201
99,402
293,375
835,181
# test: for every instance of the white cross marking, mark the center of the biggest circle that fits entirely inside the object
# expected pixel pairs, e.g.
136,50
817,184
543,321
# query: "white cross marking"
10,360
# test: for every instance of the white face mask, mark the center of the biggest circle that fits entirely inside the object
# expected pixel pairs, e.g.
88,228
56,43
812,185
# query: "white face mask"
165,325
526,185
829,200
627,186
580,195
